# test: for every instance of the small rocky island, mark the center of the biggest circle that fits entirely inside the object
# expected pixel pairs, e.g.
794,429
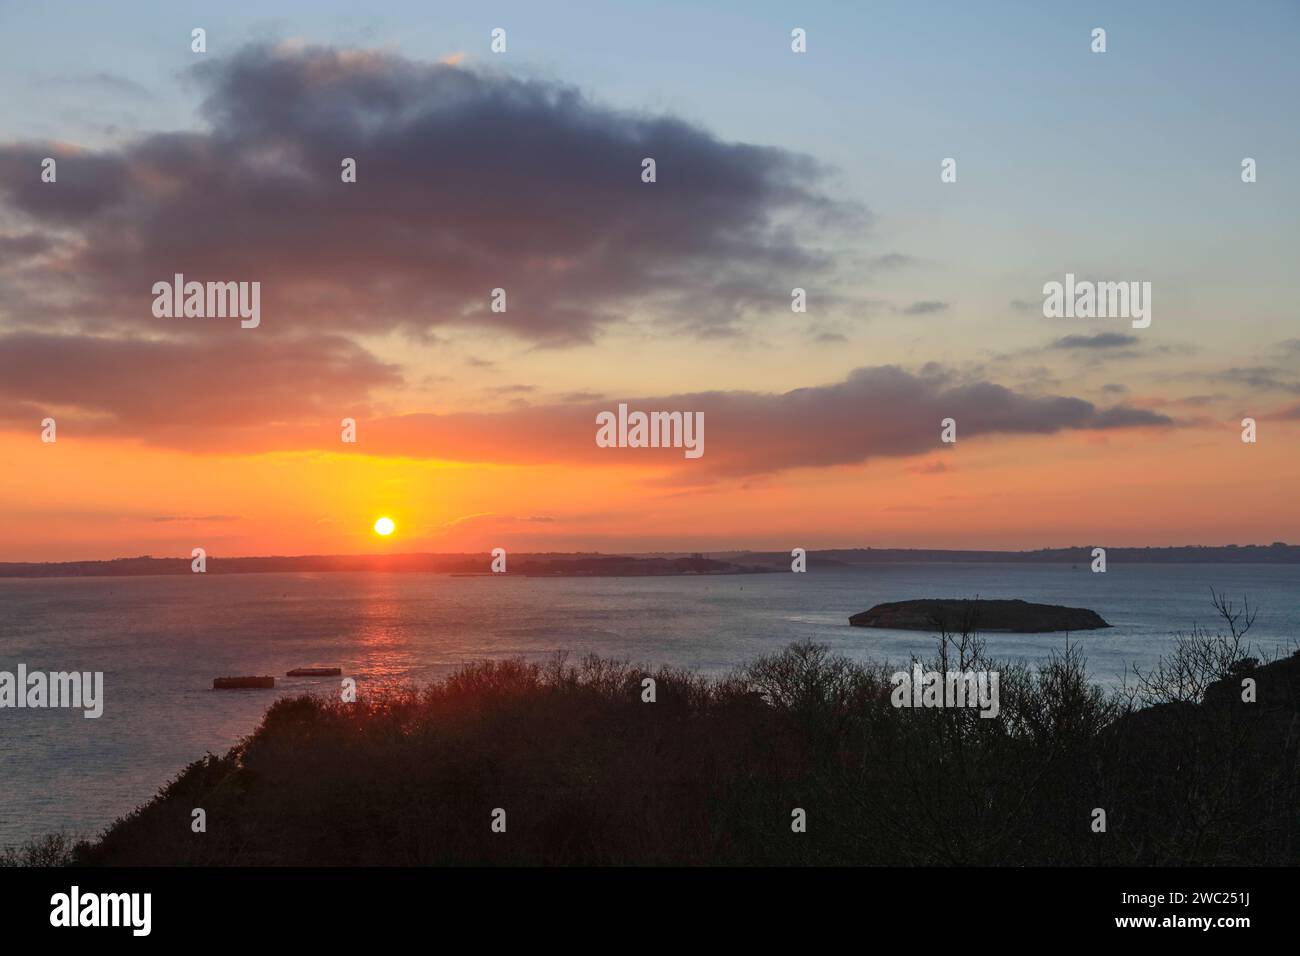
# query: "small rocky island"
958,614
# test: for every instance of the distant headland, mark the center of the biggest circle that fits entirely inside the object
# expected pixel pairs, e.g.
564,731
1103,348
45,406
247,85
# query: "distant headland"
595,564
1279,552
526,565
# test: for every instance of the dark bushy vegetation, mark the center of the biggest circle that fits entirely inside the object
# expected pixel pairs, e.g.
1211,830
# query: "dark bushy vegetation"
710,772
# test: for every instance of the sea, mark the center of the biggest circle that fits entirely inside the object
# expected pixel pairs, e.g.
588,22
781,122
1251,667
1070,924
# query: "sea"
161,640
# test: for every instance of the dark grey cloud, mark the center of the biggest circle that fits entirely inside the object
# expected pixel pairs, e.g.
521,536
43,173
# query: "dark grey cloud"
467,181
23,246
87,185
177,392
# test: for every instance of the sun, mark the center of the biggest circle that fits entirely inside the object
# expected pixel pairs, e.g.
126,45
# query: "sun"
384,527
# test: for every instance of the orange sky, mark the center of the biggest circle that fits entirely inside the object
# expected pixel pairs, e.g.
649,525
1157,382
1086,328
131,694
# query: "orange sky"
83,499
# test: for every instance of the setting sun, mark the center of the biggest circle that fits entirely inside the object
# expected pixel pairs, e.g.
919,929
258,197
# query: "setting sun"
384,526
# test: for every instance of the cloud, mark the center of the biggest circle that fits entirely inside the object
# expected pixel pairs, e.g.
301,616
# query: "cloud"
467,181
492,518
930,468
1102,340
581,395
244,396
176,392
877,412
925,308
1266,378
167,518
100,82
518,389
23,246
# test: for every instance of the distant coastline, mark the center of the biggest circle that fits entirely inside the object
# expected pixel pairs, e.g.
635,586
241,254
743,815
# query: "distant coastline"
465,565
595,564
1279,552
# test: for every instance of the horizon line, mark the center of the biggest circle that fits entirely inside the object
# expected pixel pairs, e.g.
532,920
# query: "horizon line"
706,552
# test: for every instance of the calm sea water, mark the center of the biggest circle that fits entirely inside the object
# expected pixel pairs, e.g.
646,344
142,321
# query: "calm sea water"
161,640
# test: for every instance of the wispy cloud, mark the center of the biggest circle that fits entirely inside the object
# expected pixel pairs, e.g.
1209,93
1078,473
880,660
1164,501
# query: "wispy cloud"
926,307
1102,340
